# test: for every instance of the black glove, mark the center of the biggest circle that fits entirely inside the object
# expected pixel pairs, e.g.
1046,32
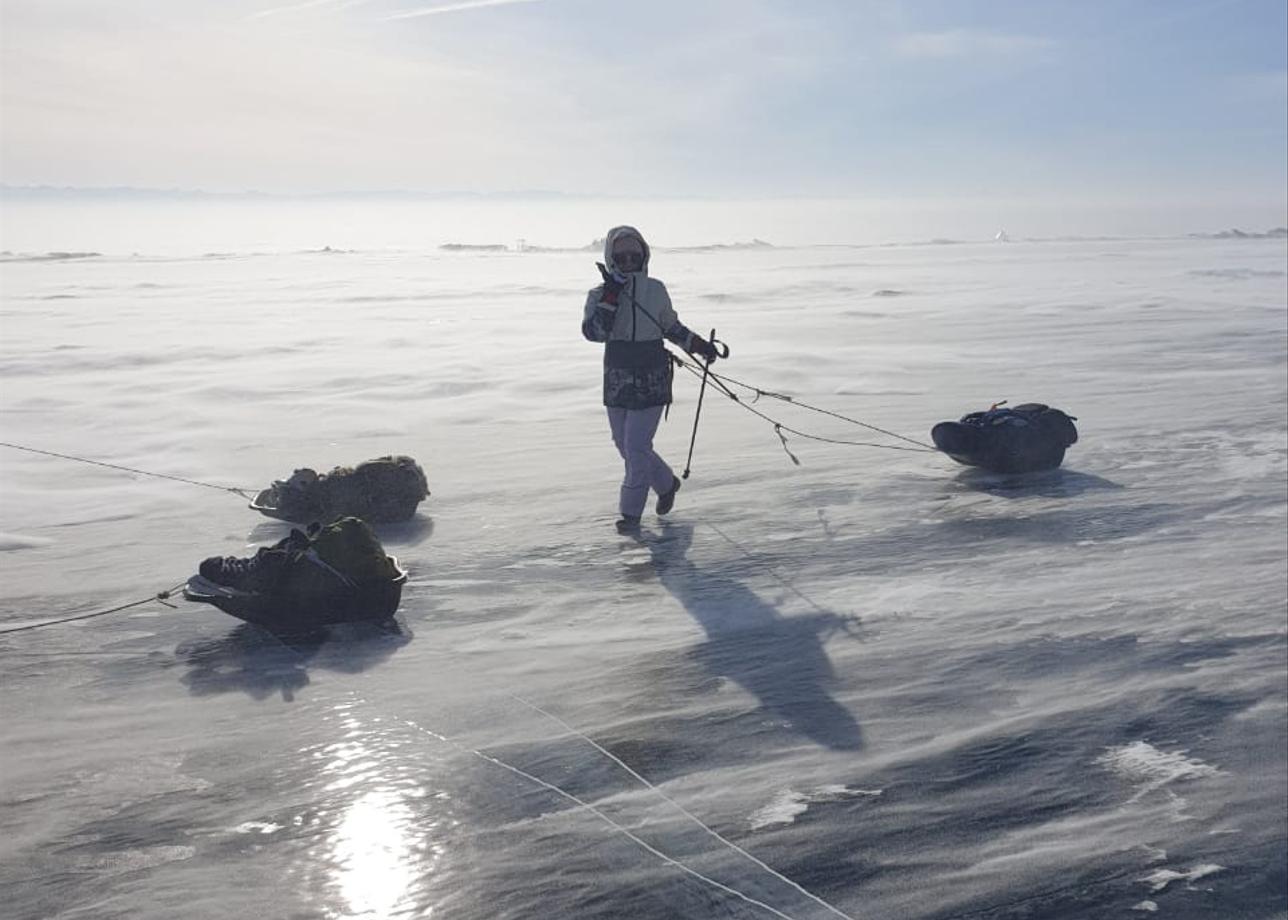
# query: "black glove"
703,349
613,284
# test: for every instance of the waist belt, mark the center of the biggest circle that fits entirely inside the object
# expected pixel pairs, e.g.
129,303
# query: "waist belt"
635,355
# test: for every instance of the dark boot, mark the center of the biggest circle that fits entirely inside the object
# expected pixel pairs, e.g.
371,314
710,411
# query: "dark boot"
666,500
628,525
258,572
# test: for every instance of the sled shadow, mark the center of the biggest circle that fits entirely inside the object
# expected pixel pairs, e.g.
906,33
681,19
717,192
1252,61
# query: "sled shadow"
261,663
1068,526
778,660
1057,483
406,533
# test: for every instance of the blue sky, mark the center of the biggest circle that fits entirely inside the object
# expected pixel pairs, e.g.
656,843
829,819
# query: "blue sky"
1183,99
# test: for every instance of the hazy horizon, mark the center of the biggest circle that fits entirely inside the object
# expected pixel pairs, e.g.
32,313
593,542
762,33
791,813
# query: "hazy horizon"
124,224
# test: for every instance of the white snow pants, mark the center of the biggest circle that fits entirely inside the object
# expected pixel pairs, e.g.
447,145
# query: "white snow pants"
633,431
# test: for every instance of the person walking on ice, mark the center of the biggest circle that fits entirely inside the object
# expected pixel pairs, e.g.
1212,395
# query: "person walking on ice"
631,313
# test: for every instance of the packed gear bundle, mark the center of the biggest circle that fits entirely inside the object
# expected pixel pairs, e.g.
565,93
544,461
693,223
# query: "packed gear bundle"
337,573
1025,439
381,491
334,574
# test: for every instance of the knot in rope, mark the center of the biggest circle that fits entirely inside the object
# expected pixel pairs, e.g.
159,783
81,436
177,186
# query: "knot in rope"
778,430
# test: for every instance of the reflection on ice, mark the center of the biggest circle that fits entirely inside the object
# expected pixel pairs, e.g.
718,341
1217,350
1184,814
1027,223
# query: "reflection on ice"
383,848
372,854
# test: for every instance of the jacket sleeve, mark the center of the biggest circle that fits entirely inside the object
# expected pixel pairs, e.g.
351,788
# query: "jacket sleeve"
598,317
672,328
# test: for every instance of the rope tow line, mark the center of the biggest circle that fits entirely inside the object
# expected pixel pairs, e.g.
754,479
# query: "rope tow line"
719,380
779,427
725,378
161,596
244,493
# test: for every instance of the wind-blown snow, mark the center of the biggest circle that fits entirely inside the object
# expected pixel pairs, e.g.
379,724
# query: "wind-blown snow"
1030,673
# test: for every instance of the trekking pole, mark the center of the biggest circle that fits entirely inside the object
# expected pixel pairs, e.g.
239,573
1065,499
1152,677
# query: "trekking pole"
706,371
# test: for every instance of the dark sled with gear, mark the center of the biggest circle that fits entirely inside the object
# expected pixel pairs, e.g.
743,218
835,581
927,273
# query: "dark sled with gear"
1025,439
334,574
293,607
385,490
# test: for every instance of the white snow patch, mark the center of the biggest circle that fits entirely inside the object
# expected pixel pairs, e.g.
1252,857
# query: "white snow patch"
789,803
1148,906
257,827
1141,762
1161,878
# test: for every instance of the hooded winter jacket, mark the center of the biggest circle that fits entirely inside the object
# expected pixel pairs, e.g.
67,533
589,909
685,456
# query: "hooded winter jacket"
637,368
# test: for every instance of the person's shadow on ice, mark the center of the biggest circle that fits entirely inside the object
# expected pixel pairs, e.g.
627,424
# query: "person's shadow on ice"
779,660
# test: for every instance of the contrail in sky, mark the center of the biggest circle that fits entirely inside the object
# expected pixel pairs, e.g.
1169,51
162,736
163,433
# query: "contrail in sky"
304,5
454,7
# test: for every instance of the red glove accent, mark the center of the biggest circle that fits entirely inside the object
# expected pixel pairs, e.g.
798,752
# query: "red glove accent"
612,285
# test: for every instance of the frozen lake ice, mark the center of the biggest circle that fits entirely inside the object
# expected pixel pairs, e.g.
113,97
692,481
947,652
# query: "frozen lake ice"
913,690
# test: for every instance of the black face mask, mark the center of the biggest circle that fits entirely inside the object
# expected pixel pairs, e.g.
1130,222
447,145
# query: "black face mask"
628,261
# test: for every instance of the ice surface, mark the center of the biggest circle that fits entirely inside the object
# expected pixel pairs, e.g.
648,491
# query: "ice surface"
1031,672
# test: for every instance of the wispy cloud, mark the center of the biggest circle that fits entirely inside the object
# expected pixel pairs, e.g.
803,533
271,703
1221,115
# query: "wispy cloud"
746,96
303,5
454,8
960,43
